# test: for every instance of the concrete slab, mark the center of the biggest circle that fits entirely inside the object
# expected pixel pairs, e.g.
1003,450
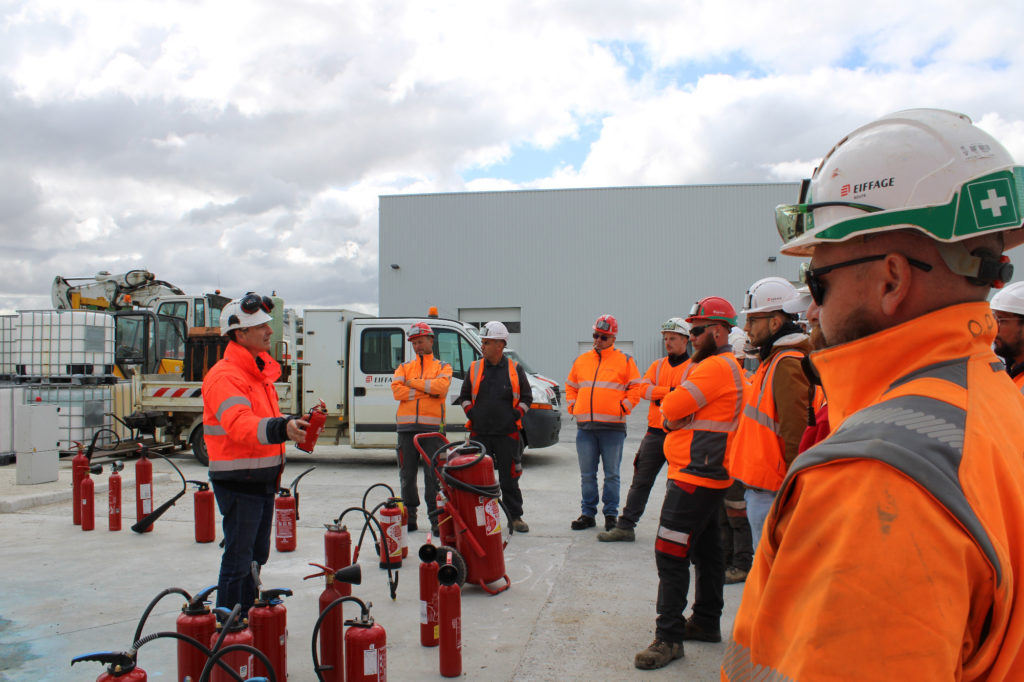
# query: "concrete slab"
577,609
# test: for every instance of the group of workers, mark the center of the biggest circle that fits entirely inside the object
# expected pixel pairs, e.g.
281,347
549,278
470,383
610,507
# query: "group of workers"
891,546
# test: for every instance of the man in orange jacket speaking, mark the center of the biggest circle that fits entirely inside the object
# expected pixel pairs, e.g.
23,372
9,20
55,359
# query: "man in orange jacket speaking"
895,547
245,433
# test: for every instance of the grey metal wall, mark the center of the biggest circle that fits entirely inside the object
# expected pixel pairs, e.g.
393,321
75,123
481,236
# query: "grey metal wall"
564,257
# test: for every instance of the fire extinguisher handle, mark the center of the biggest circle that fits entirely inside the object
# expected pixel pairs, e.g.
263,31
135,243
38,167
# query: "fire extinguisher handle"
267,595
122,658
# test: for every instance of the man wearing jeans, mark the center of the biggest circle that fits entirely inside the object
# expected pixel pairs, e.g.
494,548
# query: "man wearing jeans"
603,387
245,435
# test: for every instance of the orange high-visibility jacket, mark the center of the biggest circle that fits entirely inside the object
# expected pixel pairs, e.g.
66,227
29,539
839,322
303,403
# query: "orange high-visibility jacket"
1019,382
895,547
761,451
239,400
476,375
420,386
710,400
603,387
658,380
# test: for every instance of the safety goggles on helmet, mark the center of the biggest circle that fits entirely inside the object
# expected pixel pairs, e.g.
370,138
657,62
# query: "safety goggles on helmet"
812,276
676,326
603,325
252,302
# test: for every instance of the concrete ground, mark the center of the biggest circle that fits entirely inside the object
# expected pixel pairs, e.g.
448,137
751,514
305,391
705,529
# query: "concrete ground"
577,608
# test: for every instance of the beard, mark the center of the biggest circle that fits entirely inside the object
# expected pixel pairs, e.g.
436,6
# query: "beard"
705,347
855,325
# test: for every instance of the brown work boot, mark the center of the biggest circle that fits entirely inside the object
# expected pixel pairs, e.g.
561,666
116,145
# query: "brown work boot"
583,522
735,575
617,535
658,655
699,634
519,526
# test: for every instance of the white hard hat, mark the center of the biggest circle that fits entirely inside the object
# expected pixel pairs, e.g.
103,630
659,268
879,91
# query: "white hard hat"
925,169
676,325
494,330
1009,299
768,295
738,340
800,304
250,310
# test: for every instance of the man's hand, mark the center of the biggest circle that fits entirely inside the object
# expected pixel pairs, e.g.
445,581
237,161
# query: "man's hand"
296,429
673,424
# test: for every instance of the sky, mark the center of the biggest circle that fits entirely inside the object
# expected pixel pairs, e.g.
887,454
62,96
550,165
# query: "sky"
243,145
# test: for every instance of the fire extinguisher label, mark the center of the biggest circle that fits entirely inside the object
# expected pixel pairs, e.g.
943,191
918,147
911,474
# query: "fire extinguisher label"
423,612
457,629
493,525
285,528
394,532
371,664
481,516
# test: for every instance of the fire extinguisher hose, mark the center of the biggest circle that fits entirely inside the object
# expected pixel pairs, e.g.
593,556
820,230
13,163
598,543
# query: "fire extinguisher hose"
449,480
188,640
150,519
317,668
152,605
217,655
392,578
390,490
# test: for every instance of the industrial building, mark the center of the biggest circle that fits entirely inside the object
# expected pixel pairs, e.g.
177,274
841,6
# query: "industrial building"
548,262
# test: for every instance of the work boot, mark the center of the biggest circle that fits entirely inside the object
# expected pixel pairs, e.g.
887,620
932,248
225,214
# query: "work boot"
583,521
519,526
609,522
699,634
658,655
735,575
617,535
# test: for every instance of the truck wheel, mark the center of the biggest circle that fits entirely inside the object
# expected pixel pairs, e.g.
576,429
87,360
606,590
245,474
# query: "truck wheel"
199,447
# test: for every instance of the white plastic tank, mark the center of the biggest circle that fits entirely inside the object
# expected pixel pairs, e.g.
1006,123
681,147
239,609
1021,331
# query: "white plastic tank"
64,343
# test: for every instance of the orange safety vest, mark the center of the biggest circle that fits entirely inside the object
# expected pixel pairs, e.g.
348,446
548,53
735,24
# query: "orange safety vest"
659,379
1019,382
895,547
420,386
476,373
603,386
710,398
239,400
757,451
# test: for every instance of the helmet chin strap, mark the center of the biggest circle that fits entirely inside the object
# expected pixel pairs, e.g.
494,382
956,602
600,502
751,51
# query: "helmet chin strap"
982,270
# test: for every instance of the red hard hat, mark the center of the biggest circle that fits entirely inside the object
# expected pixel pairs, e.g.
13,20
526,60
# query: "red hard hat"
418,329
713,309
607,324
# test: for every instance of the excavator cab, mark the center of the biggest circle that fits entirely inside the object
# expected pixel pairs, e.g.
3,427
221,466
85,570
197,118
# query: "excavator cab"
148,343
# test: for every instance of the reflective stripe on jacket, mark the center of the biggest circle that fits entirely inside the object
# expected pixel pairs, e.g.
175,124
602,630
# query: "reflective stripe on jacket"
709,401
603,387
239,400
757,457
660,378
476,375
895,547
420,386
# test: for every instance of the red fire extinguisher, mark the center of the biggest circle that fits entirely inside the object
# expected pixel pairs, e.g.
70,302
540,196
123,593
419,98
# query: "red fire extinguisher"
428,594
197,621
143,487
449,605
202,502
114,497
121,666
445,525
317,417
391,541
268,620
329,627
86,491
366,648
338,551
79,470
286,513
236,632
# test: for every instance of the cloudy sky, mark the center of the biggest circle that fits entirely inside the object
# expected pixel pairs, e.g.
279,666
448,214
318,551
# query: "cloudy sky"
243,145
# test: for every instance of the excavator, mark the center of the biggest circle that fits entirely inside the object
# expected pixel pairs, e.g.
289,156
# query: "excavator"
153,317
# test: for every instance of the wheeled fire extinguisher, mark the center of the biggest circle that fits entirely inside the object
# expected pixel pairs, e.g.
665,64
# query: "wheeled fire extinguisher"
143,487
428,594
449,607
197,621
329,628
79,470
366,648
338,552
391,541
317,417
114,497
286,513
268,620
121,666
231,632
202,503
87,493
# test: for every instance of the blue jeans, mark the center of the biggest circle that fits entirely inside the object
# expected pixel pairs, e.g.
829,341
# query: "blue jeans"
759,502
248,520
604,445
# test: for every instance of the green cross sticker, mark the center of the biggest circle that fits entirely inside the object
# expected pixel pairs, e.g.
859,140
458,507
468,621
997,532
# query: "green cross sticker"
993,203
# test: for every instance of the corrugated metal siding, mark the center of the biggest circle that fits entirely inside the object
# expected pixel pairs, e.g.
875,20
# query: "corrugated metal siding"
566,256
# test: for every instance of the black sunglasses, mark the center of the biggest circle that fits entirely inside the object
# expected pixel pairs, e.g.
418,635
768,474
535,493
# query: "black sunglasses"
603,337
812,276
697,331
252,302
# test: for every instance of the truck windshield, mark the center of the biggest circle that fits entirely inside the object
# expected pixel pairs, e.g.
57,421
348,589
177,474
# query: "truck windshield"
509,353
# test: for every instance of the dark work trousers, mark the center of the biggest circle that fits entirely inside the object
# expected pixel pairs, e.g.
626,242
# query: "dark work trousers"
647,463
248,519
508,456
688,532
409,462
737,542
